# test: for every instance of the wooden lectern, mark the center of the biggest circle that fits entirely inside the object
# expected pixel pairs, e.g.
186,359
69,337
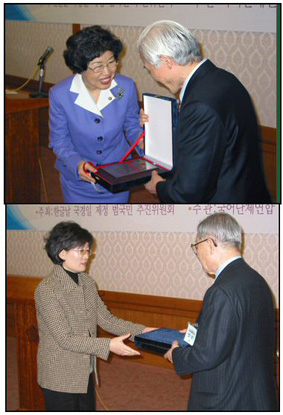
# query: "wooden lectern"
22,170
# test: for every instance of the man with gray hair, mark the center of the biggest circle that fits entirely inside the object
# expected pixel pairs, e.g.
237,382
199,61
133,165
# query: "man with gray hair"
217,152
233,346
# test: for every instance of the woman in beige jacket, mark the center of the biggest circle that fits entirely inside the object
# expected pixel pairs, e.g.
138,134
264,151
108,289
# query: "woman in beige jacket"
69,310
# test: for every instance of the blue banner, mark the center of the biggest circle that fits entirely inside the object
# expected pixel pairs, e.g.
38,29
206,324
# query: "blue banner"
18,12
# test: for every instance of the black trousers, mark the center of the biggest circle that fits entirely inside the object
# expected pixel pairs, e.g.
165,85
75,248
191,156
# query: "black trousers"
63,401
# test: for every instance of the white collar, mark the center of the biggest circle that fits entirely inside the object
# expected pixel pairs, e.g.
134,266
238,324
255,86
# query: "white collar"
188,79
85,100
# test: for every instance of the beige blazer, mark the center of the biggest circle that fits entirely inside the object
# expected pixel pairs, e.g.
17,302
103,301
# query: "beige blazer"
68,315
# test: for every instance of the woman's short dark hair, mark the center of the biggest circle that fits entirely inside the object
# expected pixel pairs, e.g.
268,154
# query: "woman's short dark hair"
88,44
66,236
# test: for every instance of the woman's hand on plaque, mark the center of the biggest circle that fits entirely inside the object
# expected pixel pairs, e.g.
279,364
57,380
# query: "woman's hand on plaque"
143,118
85,169
148,329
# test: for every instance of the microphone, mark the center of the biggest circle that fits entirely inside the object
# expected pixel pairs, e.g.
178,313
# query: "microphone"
41,64
45,55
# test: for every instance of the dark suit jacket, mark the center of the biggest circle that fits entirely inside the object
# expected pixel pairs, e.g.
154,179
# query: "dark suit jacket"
217,155
233,355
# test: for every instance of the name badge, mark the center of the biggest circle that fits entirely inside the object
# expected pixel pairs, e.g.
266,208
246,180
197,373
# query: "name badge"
191,334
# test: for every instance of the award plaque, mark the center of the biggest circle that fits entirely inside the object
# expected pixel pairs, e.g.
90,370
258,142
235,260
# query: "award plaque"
158,148
159,341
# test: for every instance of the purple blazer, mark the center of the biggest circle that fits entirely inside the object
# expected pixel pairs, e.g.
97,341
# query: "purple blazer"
83,130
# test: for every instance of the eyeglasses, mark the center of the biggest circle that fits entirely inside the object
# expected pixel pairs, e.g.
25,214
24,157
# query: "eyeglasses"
100,68
194,246
82,252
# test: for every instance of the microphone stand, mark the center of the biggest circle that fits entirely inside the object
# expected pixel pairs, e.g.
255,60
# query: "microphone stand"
40,93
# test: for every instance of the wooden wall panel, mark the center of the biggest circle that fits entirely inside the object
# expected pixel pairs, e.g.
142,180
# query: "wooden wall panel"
30,394
152,311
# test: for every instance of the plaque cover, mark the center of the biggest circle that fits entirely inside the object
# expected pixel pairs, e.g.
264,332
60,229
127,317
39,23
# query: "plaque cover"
159,341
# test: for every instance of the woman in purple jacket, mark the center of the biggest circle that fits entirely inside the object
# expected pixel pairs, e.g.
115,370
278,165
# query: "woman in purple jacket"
91,114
